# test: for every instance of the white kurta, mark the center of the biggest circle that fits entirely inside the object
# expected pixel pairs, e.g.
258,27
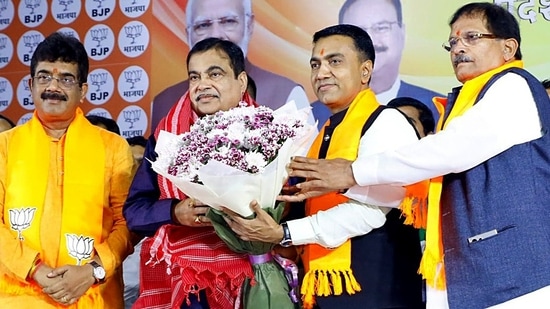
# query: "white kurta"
506,116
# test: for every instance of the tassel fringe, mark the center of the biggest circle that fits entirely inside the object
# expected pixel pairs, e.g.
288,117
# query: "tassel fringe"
308,290
414,206
352,285
336,280
431,269
326,283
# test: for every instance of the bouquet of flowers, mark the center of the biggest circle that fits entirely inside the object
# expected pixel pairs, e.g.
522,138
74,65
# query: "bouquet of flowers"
231,158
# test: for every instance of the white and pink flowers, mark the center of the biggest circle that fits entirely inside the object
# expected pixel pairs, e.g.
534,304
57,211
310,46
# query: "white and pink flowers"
246,138
231,152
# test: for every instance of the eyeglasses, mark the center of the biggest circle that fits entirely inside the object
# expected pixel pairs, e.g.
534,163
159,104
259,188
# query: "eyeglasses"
468,39
381,27
227,23
66,82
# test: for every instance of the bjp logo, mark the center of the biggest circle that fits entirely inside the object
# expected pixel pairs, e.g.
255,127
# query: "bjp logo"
79,247
20,219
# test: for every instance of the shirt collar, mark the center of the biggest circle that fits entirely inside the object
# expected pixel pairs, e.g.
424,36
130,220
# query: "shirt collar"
390,94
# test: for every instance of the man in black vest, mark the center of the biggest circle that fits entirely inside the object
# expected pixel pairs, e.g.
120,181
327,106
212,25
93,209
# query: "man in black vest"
347,237
231,20
489,167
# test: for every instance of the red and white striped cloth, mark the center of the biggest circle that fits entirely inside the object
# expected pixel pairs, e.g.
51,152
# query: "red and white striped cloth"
183,260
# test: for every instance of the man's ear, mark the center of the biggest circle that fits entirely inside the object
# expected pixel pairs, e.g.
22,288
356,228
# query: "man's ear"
83,91
403,34
250,27
366,71
510,49
243,79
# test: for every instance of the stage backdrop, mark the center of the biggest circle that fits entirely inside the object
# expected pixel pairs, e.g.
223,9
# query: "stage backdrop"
138,47
117,37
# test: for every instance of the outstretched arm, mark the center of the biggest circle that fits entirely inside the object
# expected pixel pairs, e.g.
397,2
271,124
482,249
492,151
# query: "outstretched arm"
346,220
389,131
322,176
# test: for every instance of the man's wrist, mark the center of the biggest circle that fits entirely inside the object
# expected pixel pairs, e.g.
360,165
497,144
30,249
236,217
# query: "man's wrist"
173,215
36,264
286,240
98,272
352,181
280,234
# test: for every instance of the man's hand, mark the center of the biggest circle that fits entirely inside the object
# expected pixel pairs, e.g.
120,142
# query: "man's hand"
262,228
40,276
322,176
73,282
192,213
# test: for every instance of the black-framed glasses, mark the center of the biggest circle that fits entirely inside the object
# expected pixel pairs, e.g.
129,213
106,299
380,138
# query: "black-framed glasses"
467,38
227,23
381,27
66,82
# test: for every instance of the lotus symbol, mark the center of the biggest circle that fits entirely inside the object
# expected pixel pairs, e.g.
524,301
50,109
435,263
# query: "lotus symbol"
20,219
80,247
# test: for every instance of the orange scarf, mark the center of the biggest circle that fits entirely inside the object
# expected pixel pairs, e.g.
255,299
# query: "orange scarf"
414,206
432,264
83,190
326,267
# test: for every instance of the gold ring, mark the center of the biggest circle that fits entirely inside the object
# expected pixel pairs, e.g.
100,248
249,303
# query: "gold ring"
191,203
198,220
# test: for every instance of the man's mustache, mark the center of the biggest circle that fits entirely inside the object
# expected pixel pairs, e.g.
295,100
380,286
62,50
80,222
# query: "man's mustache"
461,58
53,96
200,96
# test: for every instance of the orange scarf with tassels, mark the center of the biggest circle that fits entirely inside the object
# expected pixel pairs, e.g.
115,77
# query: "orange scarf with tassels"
83,187
325,268
432,264
414,206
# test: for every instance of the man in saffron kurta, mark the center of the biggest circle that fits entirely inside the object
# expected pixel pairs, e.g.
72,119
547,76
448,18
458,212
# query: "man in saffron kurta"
63,182
356,253
487,241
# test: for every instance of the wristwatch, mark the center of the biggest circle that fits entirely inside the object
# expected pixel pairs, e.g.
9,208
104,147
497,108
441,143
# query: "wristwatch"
98,273
287,240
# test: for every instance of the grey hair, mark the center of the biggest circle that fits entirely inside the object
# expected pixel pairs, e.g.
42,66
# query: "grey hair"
247,4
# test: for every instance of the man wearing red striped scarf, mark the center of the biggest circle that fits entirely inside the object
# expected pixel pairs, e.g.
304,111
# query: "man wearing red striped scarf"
185,264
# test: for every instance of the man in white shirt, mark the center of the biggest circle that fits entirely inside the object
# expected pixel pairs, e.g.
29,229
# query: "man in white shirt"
366,235
492,151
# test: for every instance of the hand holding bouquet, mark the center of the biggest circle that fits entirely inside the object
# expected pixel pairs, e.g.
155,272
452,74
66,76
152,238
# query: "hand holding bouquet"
231,158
